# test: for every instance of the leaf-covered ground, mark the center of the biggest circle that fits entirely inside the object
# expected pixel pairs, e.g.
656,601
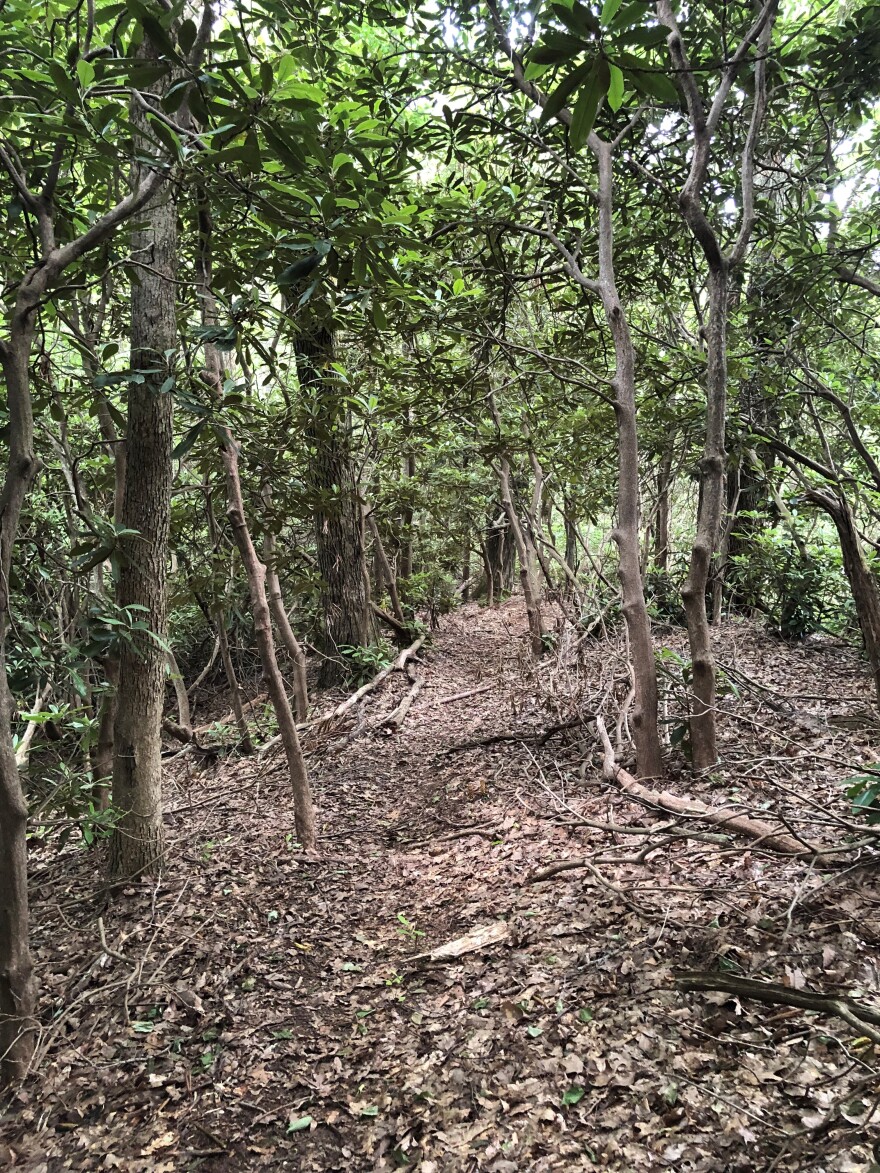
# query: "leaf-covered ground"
257,1009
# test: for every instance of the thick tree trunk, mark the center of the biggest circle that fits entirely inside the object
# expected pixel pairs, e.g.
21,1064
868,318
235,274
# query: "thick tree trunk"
348,619
862,582
17,986
702,722
137,844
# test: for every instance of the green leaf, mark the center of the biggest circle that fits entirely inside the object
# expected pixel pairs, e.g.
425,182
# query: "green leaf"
655,85
584,114
615,87
188,440
85,71
534,1032
301,1124
186,36
578,19
370,1110
609,9
573,1095
267,78
564,90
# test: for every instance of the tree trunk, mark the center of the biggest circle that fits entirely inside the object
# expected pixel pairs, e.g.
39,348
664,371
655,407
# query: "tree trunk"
387,570
219,616
661,531
285,630
304,813
528,578
861,579
17,985
345,596
137,844
649,754
702,721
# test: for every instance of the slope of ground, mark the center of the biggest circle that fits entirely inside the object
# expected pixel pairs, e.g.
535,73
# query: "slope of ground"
257,1009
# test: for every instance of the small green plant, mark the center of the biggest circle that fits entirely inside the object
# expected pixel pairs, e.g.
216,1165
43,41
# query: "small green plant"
407,929
864,790
363,663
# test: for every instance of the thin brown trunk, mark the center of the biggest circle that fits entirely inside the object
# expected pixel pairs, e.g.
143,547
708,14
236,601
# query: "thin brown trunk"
219,616
661,530
649,754
184,716
530,590
285,630
861,579
702,721
384,564
304,813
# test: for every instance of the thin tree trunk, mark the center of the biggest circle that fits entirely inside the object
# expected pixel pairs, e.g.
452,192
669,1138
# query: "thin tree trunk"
304,813
661,531
649,754
384,564
530,590
693,594
184,716
862,582
285,630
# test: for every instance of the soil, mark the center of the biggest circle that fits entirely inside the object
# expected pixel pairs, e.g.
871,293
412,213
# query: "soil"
258,1009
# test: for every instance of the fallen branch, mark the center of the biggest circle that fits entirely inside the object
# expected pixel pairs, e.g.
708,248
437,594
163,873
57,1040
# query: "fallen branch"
497,933
460,696
864,1018
767,834
539,736
396,718
396,665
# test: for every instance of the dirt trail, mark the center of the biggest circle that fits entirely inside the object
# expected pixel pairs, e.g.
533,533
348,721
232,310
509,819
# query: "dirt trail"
259,1010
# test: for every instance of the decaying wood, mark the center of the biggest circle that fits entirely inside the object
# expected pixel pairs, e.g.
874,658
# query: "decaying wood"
460,696
397,716
865,1019
769,836
397,665
497,933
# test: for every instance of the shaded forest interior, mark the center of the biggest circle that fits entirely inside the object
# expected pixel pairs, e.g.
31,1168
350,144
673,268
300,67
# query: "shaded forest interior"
439,598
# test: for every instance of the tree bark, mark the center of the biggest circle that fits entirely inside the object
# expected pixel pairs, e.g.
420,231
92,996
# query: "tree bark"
862,582
693,594
345,596
285,630
137,844
17,985
304,813
528,579
384,564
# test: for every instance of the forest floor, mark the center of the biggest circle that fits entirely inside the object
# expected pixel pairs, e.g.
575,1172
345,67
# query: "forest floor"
256,1009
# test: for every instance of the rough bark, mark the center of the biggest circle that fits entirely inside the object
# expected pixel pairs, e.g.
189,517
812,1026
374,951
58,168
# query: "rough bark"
219,617
527,576
17,986
704,124
862,582
137,844
345,597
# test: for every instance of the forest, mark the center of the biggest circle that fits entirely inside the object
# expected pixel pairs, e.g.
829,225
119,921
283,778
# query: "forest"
440,585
